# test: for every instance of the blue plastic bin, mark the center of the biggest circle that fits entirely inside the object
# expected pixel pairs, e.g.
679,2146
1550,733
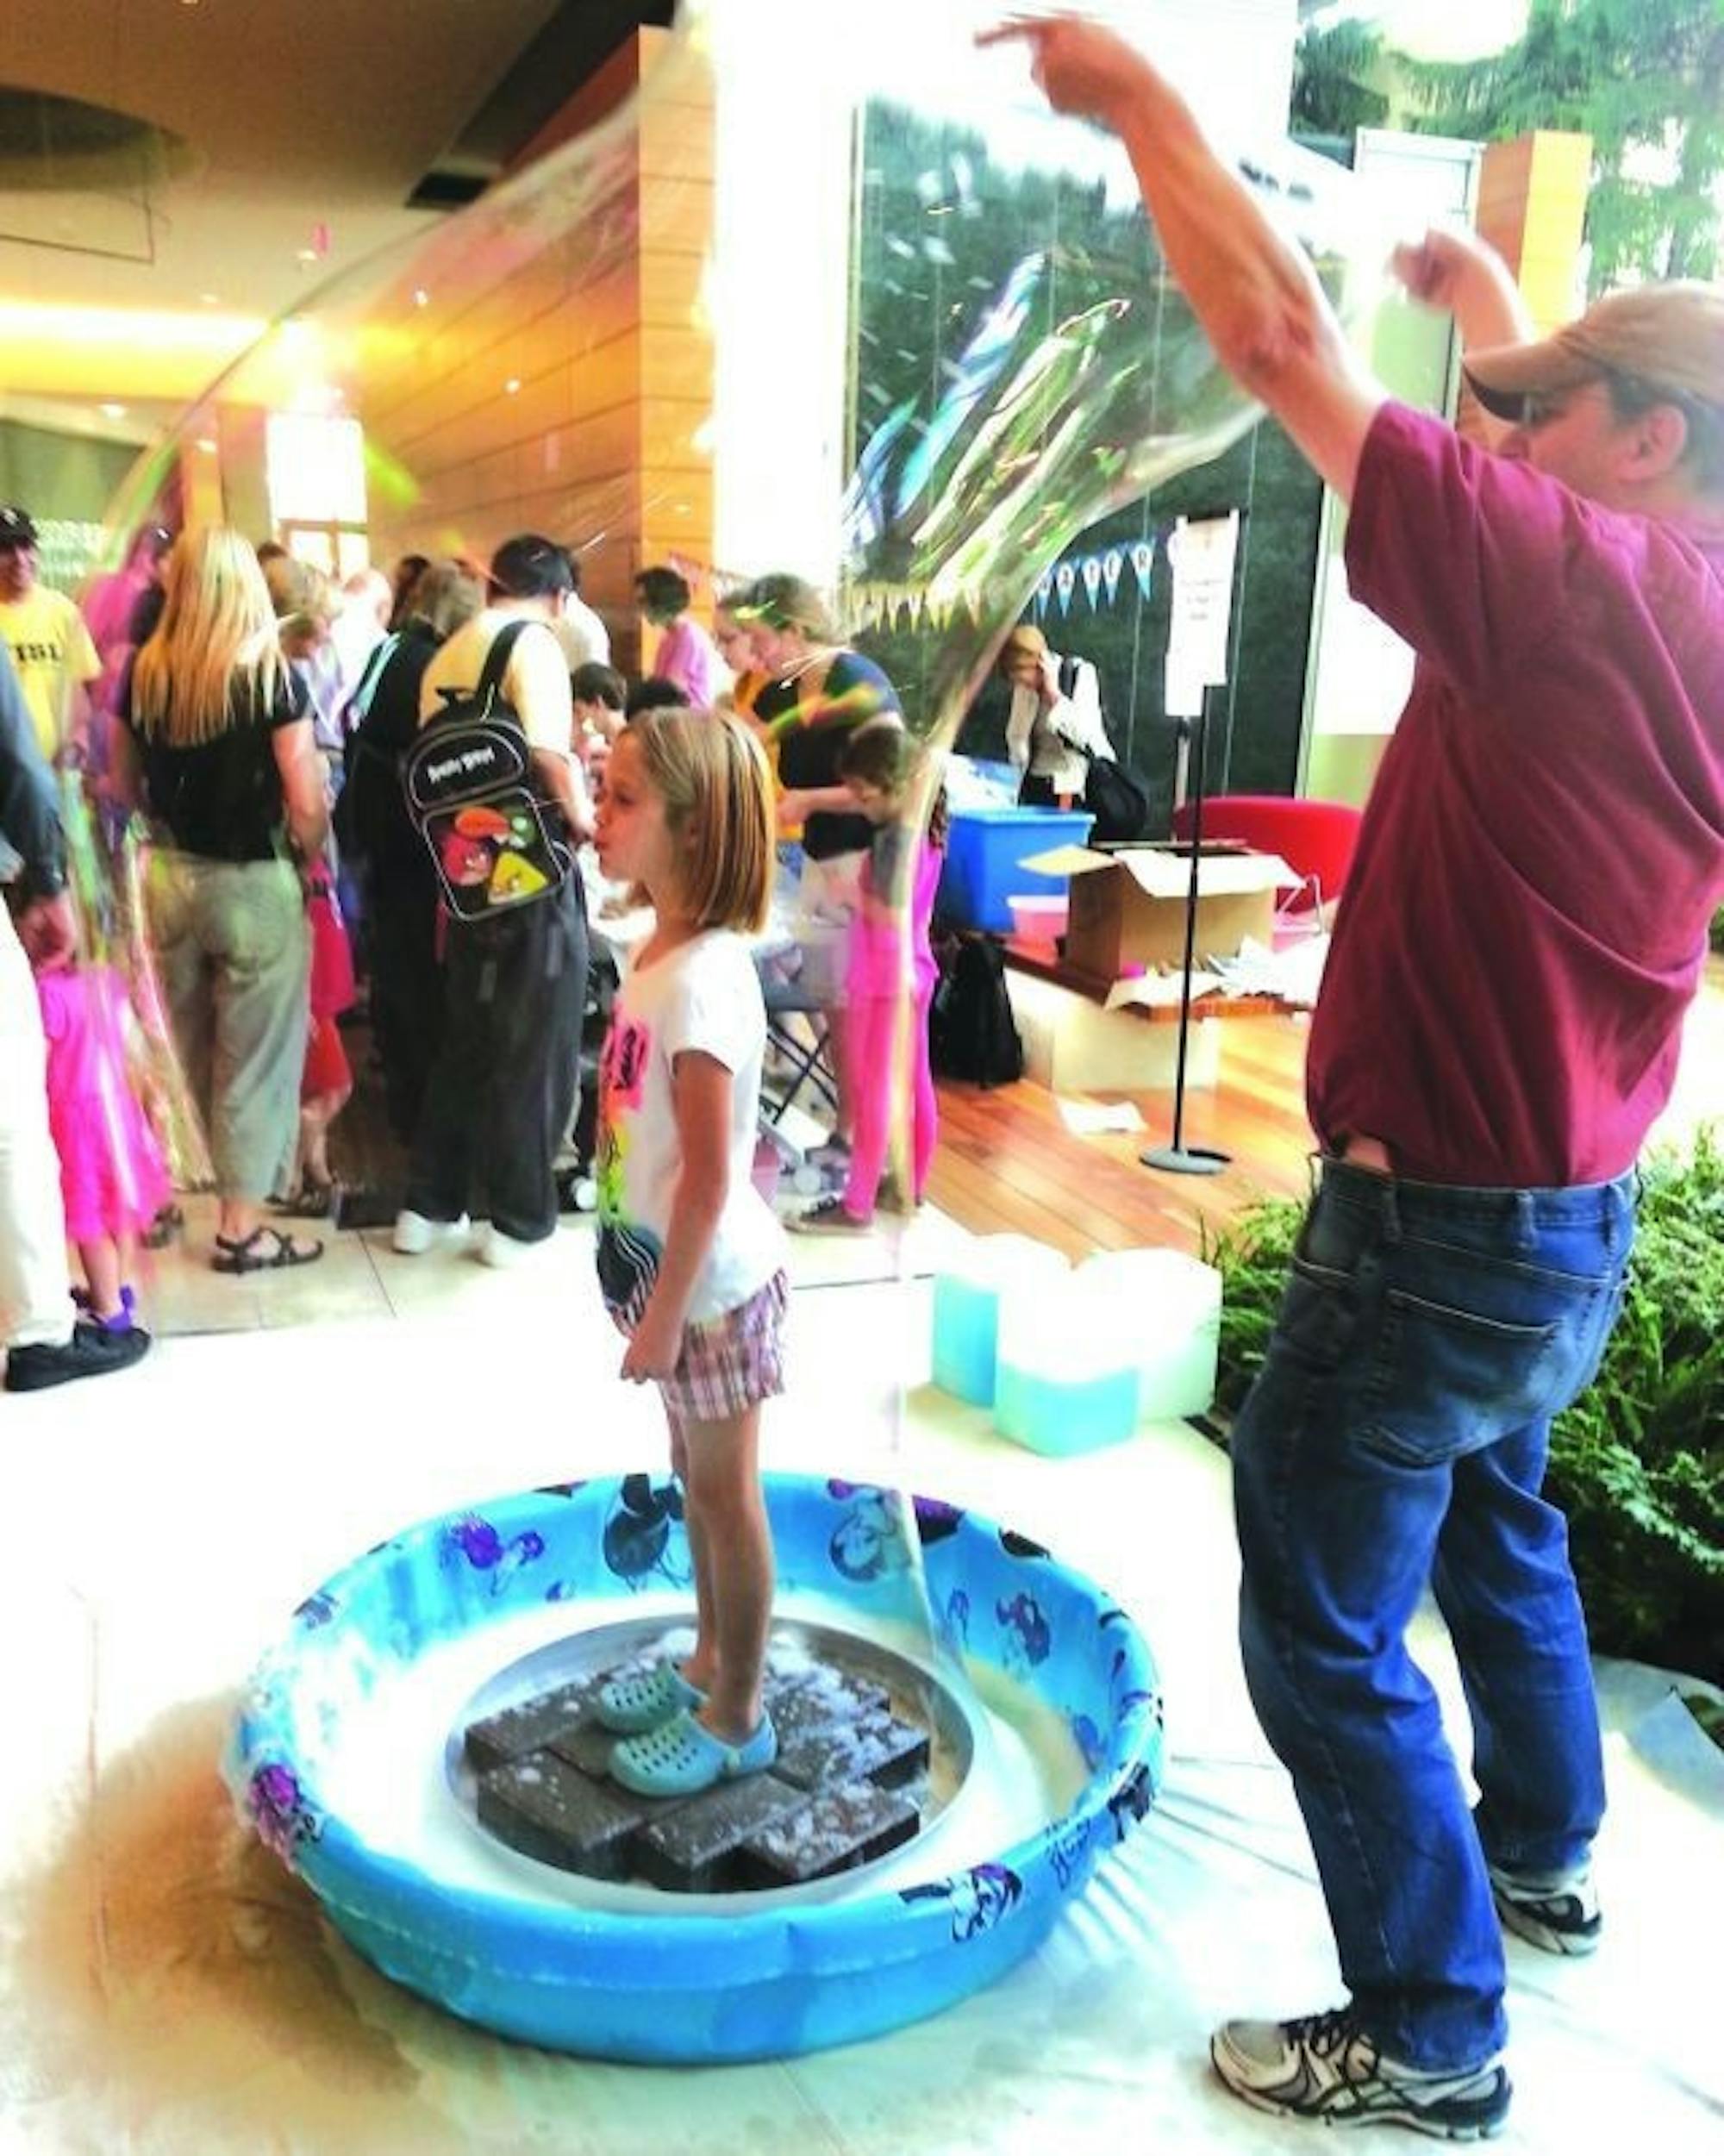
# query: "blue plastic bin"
983,848
966,1308
1067,1377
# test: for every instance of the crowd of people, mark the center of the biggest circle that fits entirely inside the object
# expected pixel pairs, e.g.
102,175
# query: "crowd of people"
250,725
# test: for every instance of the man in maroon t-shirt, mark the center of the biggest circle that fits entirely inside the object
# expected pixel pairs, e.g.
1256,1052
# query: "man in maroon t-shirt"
1524,926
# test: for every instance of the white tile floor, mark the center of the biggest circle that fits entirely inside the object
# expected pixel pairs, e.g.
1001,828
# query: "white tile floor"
165,1990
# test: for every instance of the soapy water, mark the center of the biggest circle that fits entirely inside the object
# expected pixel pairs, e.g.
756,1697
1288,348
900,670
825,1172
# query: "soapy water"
1023,1768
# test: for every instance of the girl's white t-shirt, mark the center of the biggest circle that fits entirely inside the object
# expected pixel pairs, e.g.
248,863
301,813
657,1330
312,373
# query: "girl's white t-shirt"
705,995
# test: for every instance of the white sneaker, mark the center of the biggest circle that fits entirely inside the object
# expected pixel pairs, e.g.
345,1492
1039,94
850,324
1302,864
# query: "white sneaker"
495,1248
1558,1911
1325,2068
415,1235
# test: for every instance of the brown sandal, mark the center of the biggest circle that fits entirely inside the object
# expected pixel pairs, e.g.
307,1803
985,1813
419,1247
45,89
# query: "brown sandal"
312,1201
248,1256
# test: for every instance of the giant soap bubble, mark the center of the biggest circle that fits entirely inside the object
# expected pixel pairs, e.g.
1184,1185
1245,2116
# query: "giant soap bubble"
636,347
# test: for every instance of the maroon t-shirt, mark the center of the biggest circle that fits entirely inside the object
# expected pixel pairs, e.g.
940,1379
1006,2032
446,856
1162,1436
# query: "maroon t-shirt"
1525,920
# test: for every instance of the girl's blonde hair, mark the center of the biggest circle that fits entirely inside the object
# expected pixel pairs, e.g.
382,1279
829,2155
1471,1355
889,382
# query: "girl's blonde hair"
711,774
216,623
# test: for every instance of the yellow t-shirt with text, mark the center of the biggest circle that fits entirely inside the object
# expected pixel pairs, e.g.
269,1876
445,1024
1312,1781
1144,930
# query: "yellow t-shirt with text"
52,652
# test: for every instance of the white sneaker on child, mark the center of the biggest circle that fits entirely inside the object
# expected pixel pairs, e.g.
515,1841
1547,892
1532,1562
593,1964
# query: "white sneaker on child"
415,1235
495,1248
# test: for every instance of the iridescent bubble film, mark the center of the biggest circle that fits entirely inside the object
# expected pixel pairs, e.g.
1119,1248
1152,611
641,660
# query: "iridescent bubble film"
818,292
970,405
578,350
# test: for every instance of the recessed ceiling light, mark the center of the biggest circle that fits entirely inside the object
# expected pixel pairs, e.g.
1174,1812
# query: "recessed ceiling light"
112,411
420,297
512,386
308,254
211,299
207,444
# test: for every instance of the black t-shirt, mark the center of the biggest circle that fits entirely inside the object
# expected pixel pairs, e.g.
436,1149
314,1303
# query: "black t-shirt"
374,804
854,691
222,798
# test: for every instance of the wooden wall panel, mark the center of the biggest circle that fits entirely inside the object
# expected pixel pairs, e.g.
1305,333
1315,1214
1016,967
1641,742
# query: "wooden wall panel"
603,329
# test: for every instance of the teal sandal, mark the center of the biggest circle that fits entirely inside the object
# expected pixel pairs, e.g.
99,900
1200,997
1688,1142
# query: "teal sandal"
683,1757
639,1700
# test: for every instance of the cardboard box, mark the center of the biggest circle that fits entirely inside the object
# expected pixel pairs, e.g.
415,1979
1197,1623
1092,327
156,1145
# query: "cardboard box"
1072,1043
1128,907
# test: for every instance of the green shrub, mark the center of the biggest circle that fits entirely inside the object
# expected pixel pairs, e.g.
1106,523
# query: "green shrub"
1637,1463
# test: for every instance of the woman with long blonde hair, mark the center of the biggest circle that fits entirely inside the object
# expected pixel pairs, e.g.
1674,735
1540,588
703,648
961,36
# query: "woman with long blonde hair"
216,748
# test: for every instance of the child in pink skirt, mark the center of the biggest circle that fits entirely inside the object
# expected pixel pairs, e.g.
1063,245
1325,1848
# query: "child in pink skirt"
881,994
113,1177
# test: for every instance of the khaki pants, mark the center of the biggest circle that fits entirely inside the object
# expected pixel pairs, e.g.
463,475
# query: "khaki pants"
35,1306
234,957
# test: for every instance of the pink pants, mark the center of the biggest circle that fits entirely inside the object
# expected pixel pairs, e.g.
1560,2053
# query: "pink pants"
871,1051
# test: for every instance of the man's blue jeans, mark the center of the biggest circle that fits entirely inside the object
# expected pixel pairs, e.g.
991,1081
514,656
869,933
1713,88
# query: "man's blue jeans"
1396,1436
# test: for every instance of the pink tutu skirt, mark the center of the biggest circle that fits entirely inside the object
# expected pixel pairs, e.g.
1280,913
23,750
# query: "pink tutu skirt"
113,1178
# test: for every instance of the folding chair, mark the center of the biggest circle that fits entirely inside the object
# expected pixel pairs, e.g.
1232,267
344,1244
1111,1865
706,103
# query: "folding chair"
801,984
800,1049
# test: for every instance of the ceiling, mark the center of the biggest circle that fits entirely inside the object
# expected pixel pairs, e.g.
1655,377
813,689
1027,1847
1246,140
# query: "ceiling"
284,142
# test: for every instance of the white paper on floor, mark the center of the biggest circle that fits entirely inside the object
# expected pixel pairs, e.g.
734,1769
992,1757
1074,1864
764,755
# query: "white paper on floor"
1091,1119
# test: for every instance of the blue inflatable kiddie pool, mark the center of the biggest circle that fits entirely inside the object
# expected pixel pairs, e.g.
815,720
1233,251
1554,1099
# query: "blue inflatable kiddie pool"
327,1767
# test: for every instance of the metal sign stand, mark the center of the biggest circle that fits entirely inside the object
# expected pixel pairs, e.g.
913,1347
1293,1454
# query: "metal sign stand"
1177,1157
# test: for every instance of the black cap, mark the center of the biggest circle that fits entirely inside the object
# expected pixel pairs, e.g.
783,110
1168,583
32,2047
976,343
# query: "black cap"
17,527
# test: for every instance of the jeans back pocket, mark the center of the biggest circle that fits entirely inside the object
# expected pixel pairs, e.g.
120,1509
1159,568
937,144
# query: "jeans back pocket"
1446,1381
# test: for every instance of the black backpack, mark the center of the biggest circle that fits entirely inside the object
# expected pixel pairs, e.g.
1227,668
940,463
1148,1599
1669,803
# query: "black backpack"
369,776
970,1031
1117,799
469,784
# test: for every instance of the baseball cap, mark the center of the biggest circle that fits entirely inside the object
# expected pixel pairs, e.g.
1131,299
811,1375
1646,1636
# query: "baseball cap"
1671,337
16,528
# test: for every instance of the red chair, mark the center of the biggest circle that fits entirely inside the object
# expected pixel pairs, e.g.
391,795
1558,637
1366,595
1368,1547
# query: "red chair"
1315,838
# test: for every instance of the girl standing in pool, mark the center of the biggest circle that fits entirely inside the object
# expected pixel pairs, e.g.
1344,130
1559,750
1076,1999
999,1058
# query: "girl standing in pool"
690,1258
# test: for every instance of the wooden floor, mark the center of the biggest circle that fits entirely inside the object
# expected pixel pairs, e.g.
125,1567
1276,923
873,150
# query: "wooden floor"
1006,1161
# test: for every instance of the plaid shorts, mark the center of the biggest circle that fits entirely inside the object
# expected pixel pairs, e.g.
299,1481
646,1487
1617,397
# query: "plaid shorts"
732,1361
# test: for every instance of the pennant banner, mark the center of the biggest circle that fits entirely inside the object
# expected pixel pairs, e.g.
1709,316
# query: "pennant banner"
895,607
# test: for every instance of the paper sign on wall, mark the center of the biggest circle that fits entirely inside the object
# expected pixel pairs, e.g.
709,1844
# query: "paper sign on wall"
1200,553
